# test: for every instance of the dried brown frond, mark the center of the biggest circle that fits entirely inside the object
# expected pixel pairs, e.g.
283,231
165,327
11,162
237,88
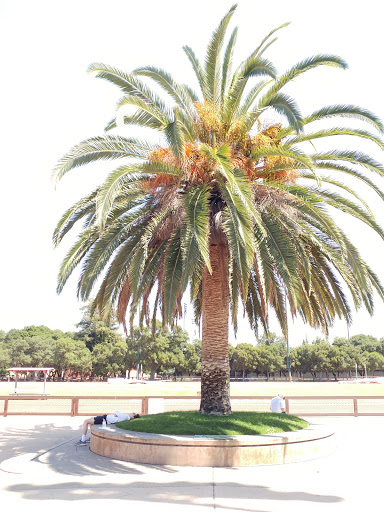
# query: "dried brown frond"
266,197
165,156
195,165
171,223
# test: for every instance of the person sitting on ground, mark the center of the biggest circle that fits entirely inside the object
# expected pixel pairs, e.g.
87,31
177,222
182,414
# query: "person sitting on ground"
116,417
278,403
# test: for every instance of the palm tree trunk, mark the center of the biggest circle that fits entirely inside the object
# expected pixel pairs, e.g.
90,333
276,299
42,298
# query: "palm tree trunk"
215,398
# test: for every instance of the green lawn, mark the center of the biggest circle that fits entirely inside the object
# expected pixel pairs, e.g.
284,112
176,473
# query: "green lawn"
193,423
159,388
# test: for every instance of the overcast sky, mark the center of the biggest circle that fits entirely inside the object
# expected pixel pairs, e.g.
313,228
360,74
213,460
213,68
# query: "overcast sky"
49,103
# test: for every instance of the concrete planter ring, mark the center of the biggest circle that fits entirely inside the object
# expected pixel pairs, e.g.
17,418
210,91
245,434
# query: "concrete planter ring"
217,451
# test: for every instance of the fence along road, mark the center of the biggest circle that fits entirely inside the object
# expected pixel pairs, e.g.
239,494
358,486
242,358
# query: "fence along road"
93,405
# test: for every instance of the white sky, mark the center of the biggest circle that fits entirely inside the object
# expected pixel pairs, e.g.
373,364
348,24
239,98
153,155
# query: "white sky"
49,103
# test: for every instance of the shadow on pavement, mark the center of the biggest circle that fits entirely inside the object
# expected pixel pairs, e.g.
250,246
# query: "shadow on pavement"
15,441
72,459
57,447
162,492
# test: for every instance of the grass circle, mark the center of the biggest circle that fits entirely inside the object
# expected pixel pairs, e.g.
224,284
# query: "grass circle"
194,423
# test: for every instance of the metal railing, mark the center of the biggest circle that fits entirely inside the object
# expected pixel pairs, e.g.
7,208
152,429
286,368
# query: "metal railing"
94,405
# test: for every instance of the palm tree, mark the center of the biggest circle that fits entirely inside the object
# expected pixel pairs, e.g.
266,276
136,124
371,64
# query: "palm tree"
231,203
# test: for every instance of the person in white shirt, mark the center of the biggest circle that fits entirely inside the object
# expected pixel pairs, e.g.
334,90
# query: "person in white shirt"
278,403
116,417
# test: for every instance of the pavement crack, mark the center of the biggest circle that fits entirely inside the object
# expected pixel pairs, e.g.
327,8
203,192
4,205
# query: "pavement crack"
213,489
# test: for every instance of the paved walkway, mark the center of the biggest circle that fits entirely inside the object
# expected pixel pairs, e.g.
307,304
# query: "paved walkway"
39,461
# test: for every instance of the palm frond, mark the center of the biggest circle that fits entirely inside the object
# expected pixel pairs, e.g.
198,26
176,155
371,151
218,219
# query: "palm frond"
172,276
282,253
197,216
100,148
158,117
251,98
237,226
355,157
199,72
178,93
259,50
77,252
104,248
112,188
331,132
253,67
128,83
227,64
118,271
174,133
284,105
293,153
84,207
212,83
352,172
343,204
341,185
349,111
304,66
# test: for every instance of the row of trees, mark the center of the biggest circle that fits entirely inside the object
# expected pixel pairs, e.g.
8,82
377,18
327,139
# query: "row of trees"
318,358
98,350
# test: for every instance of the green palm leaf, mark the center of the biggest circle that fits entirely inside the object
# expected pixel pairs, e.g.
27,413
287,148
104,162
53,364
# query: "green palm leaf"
212,82
227,64
172,276
349,111
100,148
182,95
197,216
84,207
199,72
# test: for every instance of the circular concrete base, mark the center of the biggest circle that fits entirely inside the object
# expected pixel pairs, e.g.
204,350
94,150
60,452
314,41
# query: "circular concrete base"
227,451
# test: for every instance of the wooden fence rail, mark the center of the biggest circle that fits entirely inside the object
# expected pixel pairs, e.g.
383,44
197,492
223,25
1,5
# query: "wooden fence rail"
94,405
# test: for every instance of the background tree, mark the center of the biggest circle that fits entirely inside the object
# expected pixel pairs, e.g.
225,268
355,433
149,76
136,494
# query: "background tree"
5,360
336,361
72,356
366,343
192,357
269,360
375,361
243,358
234,200
131,355
109,358
93,329
160,349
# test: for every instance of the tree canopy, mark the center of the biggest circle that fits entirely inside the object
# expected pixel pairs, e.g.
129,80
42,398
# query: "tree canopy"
234,201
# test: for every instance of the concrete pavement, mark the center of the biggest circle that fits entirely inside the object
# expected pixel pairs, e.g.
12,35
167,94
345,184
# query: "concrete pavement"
40,460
